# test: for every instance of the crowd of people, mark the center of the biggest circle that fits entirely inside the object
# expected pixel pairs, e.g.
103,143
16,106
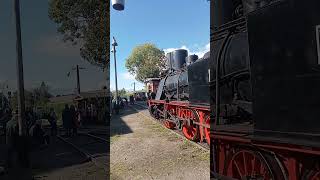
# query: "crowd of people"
72,117
89,112
34,123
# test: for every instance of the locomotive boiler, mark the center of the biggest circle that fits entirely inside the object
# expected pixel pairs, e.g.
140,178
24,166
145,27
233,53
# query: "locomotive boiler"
184,78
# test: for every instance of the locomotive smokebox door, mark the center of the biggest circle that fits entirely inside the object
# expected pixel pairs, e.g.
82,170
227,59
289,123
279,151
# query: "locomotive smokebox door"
285,71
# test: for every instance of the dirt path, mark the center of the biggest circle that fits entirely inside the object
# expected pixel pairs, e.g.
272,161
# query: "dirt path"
143,149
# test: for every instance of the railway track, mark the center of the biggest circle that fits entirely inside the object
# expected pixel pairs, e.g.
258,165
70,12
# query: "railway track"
94,148
140,107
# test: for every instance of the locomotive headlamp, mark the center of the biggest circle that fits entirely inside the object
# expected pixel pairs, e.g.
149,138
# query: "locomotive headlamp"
118,4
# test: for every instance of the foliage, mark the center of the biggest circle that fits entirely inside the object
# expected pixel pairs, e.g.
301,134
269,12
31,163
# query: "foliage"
35,97
145,61
84,22
121,93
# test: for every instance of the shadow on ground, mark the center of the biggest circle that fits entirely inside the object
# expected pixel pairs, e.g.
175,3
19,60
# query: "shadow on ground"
117,125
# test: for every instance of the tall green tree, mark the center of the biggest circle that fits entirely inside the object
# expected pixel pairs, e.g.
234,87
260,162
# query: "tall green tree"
36,97
121,93
145,61
84,22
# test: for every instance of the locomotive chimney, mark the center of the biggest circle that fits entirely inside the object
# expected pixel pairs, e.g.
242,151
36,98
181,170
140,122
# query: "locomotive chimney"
191,59
179,58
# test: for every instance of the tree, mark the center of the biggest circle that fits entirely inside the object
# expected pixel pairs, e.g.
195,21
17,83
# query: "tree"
121,93
145,61
41,94
84,22
35,97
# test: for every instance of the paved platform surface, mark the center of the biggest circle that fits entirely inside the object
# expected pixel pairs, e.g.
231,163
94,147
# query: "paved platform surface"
59,161
143,149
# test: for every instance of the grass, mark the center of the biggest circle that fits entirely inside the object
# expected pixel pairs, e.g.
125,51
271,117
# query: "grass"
186,145
119,168
114,138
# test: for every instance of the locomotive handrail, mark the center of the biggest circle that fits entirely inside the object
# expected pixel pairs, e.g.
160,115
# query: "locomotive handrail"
231,24
230,75
218,78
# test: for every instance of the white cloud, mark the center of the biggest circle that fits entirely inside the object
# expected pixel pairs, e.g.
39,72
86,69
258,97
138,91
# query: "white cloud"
127,76
200,51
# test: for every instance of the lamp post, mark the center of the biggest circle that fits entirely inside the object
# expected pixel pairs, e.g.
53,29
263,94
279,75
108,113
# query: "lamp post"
20,82
77,68
118,5
22,141
134,87
114,44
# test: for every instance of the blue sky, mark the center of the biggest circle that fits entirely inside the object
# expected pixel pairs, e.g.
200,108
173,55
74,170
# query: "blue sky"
169,24
46,57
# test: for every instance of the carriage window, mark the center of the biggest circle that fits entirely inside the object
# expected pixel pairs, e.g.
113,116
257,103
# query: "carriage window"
318,42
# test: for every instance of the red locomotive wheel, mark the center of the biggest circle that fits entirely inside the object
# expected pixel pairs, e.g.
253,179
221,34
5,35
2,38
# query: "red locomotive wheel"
312,175
247,164
315,176
169,125
191,132
207,130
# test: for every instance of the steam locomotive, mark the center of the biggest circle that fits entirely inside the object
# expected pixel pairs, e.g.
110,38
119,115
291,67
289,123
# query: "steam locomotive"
182,97
184,75
264,84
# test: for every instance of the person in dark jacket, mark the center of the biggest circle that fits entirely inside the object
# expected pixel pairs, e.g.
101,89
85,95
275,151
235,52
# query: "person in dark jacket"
12,133
153,95
67,119
6,115
53,122
131,99
38,134
74,120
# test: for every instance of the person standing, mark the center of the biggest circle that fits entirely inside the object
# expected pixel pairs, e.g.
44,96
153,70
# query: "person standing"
12,133
74,119
131,99
67,119
53,122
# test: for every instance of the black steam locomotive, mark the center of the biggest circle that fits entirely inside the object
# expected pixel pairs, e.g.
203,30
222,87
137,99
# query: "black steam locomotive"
182,99
185,78
264,84
266,58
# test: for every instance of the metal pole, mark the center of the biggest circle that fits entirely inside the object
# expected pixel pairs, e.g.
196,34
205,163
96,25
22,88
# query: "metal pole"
107,74
22,141
20,83
134,87
114,44
106,45
78,80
